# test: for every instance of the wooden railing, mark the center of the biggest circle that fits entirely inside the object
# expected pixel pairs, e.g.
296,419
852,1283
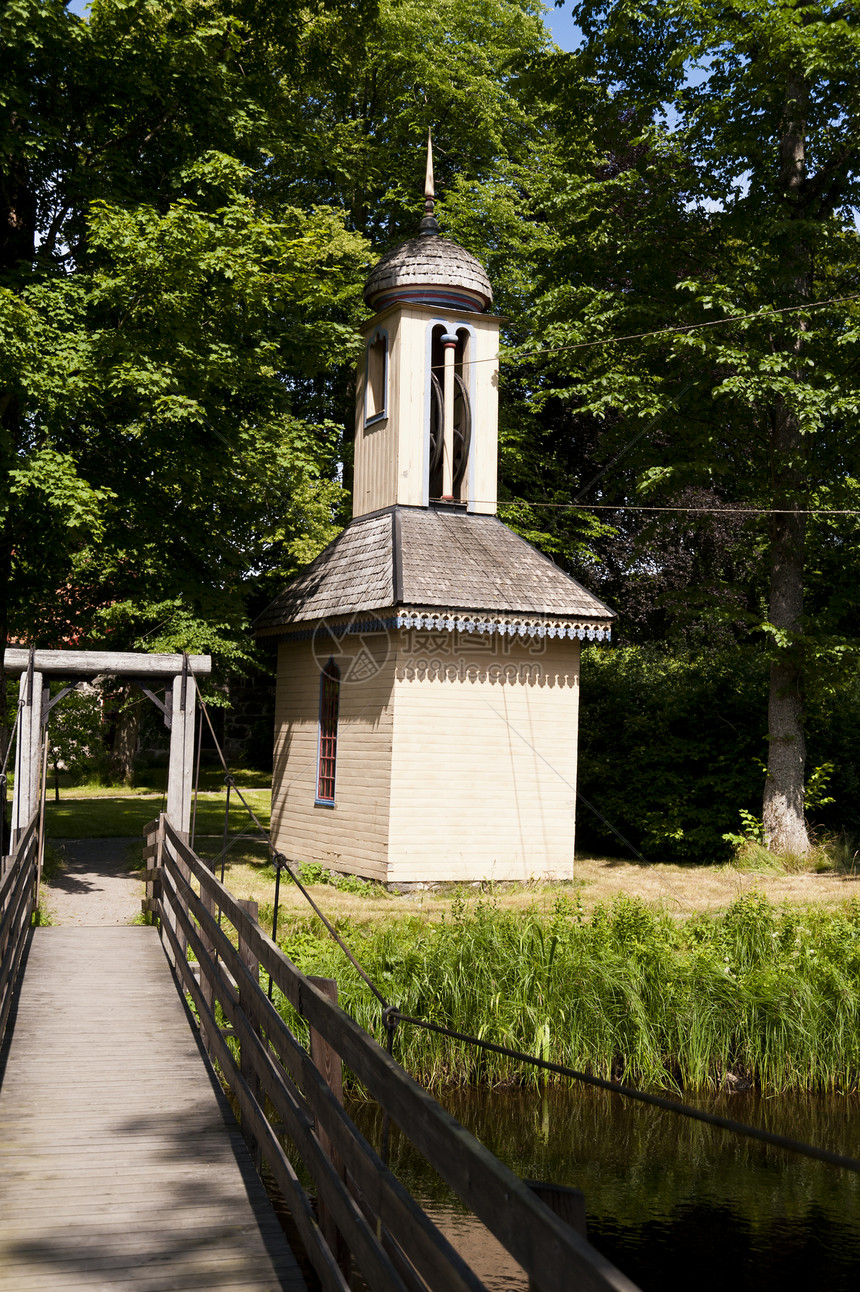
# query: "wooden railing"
18,895
364,1208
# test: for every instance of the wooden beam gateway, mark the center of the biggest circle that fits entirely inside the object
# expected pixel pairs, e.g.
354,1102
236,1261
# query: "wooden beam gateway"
34,706
93,663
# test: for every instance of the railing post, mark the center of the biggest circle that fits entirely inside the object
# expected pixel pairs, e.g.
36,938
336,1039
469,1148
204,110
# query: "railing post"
182,878
207,982
327,1060
568,1204
248,1006
153,856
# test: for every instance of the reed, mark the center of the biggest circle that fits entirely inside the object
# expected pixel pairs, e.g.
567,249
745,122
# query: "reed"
760,995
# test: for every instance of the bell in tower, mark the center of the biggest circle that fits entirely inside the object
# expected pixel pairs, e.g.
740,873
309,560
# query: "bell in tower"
428,660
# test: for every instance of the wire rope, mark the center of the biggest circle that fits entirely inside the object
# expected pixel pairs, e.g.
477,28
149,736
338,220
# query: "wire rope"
392,1017
676,329
642,1096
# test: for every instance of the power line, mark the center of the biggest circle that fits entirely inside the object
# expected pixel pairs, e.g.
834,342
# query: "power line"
677,329
704,511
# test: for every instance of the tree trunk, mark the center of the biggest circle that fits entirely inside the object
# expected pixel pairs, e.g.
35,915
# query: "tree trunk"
125,737
784,821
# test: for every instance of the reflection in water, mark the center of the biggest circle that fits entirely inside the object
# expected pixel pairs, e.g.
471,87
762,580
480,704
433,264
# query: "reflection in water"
673,1203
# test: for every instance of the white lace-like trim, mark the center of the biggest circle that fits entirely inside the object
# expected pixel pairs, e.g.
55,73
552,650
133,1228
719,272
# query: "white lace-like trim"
441,621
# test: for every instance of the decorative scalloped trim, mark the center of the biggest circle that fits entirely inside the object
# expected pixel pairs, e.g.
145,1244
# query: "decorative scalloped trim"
448,621
433,621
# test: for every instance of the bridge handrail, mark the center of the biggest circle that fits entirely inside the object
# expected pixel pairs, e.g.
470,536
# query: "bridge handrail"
552,1253
17,903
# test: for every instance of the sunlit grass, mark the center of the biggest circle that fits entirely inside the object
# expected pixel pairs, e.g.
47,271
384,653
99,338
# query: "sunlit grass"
759,994
100,814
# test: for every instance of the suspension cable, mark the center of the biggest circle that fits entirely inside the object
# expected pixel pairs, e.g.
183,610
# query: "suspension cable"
392,1016
642,1096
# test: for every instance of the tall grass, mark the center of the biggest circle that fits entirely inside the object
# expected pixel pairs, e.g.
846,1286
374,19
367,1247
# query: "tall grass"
762,994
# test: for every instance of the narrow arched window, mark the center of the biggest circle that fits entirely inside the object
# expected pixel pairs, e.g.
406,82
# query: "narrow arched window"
327,758
376,381
458,450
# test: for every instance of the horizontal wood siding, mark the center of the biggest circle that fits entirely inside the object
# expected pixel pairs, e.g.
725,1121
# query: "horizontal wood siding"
484,762
352,835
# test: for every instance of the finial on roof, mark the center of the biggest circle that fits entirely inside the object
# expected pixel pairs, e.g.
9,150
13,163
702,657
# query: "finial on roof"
429,225
428,179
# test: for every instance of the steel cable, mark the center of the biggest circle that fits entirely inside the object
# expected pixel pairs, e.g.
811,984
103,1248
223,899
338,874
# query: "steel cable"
392,1016
632,1092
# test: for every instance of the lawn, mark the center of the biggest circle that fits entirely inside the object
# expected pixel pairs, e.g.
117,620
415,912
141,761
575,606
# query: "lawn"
104,814
95,812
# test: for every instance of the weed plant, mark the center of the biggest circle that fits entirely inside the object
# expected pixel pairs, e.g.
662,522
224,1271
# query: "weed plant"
761,995
831,854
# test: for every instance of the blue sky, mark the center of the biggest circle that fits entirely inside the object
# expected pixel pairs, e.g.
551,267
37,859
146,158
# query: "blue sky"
564,32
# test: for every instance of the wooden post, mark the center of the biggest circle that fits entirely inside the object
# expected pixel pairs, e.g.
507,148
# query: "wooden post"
180,768
43,794
327,1060
248,1007
207,983
28,760
154,857
568,1204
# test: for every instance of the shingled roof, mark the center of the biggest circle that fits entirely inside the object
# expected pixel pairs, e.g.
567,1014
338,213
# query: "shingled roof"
424,266
414,556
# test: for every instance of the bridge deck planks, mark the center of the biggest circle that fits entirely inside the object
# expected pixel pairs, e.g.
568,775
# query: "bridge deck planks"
121,1165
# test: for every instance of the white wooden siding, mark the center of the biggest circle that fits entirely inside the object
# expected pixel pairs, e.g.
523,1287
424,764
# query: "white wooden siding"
353,834
483,779
390,462
452,764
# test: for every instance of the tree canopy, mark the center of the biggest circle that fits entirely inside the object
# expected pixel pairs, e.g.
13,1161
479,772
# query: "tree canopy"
718,235
191,194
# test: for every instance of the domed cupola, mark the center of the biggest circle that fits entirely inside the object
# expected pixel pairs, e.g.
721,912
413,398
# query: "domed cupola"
429,269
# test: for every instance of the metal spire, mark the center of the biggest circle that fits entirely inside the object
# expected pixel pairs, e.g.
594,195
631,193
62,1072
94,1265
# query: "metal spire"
429,192
429,226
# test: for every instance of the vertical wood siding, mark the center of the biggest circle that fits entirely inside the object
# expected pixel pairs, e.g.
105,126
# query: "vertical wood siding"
485,413
389,454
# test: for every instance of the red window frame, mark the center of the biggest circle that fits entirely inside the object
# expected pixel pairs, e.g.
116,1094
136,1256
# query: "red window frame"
327,753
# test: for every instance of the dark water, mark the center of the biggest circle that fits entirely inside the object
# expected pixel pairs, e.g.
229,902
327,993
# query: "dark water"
674,1204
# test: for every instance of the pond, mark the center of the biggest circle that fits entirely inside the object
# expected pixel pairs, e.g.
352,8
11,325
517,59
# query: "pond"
673,1203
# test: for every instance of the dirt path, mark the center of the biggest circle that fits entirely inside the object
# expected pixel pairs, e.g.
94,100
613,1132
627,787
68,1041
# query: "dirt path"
95,885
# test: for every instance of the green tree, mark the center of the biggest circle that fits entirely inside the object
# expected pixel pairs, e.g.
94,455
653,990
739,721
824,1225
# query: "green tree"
370,90
167,324
728,187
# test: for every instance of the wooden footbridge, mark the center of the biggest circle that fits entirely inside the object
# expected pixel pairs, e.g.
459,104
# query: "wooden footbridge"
121,1162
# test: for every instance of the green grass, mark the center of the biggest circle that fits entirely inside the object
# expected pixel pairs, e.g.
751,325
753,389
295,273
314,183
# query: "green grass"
100,814
759,994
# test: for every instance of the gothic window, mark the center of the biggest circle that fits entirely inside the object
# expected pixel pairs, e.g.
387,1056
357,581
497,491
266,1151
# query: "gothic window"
462,419
327,757
376,383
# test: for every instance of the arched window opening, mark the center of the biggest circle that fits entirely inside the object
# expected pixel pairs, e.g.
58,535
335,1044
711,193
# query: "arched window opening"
327,756
376,382
456,345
